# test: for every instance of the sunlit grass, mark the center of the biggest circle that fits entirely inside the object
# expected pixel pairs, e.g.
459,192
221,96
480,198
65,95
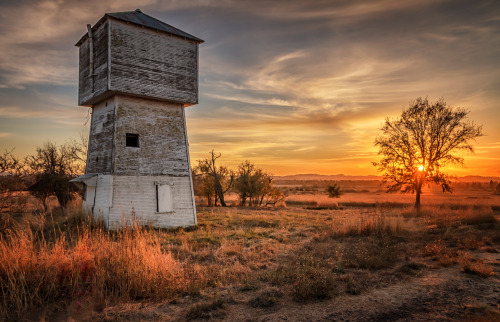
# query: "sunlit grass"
87,266
296,253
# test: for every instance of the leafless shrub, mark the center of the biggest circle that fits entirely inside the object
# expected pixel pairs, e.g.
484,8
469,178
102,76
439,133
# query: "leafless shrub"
438,252
475,266
210,310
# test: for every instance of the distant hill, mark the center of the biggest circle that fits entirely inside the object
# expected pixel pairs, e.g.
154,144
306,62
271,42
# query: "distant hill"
313,176
478,179
340,177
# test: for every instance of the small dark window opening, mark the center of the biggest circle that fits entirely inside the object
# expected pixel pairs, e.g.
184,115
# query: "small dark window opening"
132,140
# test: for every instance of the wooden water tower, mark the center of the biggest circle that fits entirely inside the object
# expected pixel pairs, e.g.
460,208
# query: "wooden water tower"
138,74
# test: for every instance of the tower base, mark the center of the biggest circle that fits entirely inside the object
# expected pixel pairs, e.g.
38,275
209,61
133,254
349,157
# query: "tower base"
160,201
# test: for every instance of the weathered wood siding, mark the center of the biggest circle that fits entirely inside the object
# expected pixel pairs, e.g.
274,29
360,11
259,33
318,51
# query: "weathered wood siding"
137,195
103,197
153,64
102,132
128,175
162,141
93,89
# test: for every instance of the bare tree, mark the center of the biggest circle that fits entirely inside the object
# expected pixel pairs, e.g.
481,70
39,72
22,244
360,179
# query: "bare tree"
76,149
417,145
66,159
52,167
9,164
11,183
222,177
204,186
256,186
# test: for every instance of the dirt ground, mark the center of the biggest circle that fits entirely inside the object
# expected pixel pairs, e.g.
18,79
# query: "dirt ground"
438,295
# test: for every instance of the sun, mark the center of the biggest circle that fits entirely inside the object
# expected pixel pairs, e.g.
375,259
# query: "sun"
421,168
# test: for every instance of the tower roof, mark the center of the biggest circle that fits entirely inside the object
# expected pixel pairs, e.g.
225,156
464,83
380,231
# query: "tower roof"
139,18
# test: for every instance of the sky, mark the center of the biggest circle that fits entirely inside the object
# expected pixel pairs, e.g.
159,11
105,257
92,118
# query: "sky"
293,86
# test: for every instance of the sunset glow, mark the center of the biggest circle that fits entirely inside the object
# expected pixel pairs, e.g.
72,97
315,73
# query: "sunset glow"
295,86
421,168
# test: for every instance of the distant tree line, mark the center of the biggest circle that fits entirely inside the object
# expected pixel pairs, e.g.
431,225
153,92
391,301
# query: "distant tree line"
253,185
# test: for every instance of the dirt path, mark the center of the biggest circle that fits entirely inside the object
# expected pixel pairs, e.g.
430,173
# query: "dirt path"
444,294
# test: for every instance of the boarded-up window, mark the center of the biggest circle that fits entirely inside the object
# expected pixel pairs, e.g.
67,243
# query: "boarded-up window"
164,198
98,127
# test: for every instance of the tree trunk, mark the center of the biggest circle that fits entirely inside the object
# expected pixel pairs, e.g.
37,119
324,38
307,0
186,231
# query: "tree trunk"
218,188
417,200
45,204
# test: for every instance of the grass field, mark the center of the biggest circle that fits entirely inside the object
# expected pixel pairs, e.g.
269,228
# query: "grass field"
363,256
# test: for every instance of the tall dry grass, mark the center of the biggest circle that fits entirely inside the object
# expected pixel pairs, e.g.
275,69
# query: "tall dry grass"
89,268
454,215
372,225
78,264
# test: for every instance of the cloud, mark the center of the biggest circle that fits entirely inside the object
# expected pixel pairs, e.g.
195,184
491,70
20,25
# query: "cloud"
48,102
37,39
294,82
71,117
17,112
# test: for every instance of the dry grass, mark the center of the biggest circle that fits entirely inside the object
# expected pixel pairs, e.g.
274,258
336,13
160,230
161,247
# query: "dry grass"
295,202
322,268
373,225
306,276
318,269
273,254
75,261
373,193
96,265
456,215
